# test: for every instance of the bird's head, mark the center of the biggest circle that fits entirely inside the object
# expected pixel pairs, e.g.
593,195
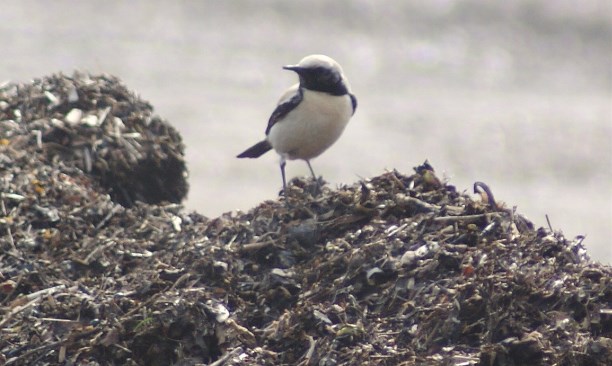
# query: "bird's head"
320,73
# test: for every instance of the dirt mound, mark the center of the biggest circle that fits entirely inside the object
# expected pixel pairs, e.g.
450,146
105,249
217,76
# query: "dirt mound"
395,270
95,124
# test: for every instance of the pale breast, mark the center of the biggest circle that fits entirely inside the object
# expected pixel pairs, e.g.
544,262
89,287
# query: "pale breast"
312,127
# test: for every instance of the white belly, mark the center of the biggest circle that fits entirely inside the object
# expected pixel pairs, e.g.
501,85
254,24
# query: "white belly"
312,127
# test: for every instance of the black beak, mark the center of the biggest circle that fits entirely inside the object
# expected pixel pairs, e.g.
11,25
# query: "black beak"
295,68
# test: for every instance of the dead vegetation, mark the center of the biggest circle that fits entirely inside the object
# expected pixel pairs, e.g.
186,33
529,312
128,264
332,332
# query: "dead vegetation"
100,265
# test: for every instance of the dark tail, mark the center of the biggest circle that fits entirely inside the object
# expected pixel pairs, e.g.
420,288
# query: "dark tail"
256,150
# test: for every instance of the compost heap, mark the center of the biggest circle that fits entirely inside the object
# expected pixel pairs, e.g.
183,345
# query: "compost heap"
100,265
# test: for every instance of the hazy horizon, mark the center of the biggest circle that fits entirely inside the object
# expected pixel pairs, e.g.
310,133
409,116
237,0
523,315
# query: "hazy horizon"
516,94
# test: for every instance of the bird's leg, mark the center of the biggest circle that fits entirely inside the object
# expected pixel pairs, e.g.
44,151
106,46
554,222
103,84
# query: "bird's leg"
314,176
282,167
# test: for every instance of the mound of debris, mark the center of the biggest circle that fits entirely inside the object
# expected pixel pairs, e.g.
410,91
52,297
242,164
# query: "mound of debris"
395,270
97,125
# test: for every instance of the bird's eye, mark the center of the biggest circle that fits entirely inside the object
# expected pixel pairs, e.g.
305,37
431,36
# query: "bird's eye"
326,76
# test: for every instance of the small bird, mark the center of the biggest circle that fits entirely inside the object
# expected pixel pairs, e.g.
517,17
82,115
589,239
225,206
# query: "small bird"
310,116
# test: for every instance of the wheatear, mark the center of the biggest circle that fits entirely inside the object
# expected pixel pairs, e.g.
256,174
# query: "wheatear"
310,116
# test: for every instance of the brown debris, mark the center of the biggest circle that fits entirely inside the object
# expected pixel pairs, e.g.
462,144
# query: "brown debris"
97,125
394,270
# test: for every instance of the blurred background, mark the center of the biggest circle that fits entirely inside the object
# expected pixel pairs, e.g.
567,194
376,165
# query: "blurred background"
517,94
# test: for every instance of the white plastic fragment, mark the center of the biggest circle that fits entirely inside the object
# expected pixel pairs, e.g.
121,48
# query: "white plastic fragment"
176,223
219,310
102,115
74,116
408,258
57,123
73,95
90,120
13,196
53,100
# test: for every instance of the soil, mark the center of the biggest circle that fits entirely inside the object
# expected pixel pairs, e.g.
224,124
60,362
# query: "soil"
101,265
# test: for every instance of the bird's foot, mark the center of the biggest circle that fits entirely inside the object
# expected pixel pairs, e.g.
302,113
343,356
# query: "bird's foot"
316,189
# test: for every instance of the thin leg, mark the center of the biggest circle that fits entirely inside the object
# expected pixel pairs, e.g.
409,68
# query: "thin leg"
314,176
311,171
282,166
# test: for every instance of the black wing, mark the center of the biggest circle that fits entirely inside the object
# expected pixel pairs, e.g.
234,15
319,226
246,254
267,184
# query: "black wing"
283,109
354,102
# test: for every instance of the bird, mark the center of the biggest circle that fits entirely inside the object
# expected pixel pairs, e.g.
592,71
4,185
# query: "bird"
310,116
